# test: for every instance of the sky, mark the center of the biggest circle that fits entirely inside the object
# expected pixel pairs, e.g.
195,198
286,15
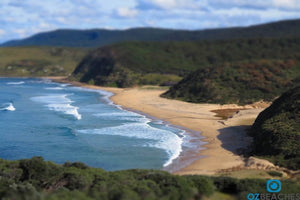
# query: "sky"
23,18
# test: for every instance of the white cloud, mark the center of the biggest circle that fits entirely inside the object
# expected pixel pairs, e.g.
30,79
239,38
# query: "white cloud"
2,32
22,18
239,3
166,4
171,4
61,20
289,4
256,4
150,23
127,12
21,32
45,25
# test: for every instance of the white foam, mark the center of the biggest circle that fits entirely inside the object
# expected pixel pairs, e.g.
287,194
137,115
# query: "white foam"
59,103
105,95
15,83
65,108
166,140
54,88
64,84
118,114
53,98
159,138
123,115
7,107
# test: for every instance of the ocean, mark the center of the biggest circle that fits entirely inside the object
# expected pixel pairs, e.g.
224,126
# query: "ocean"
61,122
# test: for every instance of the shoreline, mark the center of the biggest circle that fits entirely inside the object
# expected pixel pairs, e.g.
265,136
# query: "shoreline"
224,139
187,155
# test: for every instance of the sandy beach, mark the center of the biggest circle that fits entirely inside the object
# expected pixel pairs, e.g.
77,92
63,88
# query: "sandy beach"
224,138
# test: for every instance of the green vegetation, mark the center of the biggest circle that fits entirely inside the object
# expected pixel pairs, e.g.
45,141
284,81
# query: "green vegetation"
241,83
129,64
253,174
39,61
275,173
234,65
37,179
100,37
276,131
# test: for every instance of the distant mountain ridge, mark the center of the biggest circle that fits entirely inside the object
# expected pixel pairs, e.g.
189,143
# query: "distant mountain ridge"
101,37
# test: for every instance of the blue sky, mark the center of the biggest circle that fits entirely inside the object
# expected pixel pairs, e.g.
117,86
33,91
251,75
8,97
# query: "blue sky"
22,18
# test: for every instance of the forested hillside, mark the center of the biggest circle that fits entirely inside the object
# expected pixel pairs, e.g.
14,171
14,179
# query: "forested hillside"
240,83
276,131
163,63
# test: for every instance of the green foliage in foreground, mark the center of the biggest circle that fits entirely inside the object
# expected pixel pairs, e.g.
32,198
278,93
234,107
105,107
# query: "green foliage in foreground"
39,61
240,83
276,131
37,179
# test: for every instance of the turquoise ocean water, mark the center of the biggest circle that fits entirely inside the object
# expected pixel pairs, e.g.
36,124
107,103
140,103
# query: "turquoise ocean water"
65,123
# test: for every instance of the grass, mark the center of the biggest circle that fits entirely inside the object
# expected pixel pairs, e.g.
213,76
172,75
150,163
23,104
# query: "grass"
39,61
248,173
159,79
220,195
275,174
153,87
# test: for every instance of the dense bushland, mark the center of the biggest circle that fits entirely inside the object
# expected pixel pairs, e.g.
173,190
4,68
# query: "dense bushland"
37,179
240,83
276,131
163,63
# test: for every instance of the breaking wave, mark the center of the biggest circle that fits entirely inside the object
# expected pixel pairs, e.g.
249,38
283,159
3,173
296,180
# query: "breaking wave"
54,88
158,138
7,107
15,83
59,103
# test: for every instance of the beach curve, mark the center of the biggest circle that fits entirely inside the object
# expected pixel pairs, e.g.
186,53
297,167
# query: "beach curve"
224,138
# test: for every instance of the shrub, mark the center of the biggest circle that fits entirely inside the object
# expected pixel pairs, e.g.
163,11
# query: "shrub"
275,173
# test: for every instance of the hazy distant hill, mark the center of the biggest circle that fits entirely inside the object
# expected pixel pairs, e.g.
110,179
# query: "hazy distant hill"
101,37
276,131
132,63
